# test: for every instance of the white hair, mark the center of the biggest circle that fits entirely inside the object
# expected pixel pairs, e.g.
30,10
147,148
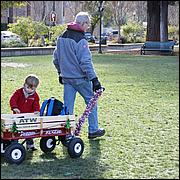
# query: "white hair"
82,17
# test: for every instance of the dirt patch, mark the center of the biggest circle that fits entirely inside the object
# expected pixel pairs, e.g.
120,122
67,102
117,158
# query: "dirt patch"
15,65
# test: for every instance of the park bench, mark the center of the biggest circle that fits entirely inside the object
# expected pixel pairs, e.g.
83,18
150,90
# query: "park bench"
162,47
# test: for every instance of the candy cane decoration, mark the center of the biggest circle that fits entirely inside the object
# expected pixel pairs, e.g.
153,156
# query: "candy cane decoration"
87,111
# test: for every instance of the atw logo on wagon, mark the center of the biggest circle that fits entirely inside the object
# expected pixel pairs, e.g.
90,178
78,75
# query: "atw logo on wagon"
27,120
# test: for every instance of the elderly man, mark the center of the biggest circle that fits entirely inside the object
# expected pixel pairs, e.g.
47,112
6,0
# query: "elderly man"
73,61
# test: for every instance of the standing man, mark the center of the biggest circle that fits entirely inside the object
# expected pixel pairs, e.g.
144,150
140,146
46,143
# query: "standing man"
73,61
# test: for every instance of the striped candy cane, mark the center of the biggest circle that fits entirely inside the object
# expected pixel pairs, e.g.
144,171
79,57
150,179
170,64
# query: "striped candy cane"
87,111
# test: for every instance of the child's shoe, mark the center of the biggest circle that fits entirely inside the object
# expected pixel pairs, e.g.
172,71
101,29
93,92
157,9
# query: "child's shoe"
30,145
30,148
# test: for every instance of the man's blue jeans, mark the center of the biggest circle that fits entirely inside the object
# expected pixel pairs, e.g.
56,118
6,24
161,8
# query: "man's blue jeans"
84,87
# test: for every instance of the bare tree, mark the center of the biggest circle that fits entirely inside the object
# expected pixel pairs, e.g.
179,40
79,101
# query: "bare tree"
39,10
43,11
140,10
10,4
74,7
173,14
120,11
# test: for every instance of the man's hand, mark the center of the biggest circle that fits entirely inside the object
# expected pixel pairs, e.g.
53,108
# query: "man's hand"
16,110
60,80
96,84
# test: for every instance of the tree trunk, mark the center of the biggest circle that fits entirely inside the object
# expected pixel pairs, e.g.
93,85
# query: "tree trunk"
10,16
119,34
60,13
153,21
164,21
92,28
43,11
28,8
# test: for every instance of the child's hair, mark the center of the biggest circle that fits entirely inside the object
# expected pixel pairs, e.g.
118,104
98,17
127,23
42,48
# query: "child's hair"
32,80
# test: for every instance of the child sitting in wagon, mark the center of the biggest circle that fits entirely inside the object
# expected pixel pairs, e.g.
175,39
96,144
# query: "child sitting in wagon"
26,100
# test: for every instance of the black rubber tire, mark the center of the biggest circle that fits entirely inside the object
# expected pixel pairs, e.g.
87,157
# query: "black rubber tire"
15,153
47,144
65,142
75,147
5,143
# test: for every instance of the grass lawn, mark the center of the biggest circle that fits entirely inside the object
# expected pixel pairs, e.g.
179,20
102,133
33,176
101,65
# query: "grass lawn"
139,110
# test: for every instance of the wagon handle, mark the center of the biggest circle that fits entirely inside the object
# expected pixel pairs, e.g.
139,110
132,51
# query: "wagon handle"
103,88
88,109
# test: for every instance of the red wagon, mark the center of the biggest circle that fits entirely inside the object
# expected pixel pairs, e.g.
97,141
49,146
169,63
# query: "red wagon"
50,130
29,125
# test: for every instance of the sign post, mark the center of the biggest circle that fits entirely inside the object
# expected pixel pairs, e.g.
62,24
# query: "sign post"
53,17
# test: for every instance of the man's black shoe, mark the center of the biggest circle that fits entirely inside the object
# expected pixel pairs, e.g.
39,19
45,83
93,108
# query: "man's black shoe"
100,132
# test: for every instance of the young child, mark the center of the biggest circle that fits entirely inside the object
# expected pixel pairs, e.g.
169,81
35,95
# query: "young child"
26,100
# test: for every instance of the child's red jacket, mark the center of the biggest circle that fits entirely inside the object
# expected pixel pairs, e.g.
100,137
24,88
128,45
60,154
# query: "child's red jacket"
25,105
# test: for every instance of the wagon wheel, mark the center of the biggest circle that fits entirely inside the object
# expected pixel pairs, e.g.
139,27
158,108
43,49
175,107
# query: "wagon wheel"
47,144
75,147
65,141
5,144
15,153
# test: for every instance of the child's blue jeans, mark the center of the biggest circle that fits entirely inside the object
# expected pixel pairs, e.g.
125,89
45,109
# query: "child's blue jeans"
84,87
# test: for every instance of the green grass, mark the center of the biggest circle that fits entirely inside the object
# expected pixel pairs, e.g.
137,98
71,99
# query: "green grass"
139,110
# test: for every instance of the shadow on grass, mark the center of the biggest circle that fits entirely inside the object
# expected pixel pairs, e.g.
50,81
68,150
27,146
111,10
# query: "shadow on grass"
53,166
